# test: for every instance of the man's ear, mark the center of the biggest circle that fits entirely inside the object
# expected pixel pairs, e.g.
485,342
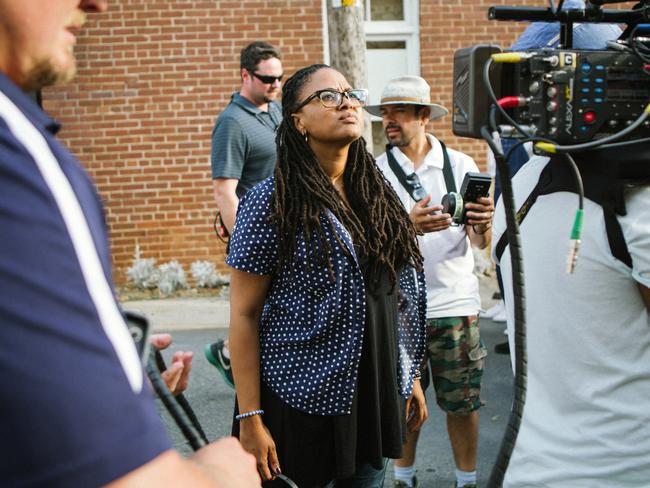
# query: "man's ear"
425,114
245,75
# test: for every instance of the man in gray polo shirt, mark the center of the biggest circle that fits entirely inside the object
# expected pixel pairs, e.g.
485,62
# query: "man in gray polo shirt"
243,148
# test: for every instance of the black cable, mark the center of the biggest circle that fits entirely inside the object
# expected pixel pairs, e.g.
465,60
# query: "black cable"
577,178
512,231
181,411
614,145
182,401
493,97
605,140
194,436
636,48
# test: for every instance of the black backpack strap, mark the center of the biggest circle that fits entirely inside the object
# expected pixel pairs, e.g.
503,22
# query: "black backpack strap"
617,244
521,215
446,169
601,189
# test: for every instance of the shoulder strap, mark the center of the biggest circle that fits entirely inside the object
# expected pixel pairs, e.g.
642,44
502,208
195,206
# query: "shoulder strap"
615,236
410,182
446,169
600,189
521,215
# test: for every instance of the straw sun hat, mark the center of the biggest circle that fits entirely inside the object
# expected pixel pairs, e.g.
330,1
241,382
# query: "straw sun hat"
408,90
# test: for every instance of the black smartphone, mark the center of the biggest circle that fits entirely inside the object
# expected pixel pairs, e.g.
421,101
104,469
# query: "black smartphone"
139,329
475,186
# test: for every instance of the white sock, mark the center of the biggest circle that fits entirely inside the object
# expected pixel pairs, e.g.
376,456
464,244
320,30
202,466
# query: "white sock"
225,351
405,474
465,477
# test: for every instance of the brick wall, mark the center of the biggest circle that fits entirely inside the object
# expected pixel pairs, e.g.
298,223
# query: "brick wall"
445,27
154,75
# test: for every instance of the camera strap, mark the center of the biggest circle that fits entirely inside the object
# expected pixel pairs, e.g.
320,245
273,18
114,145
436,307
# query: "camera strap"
412,182
599,188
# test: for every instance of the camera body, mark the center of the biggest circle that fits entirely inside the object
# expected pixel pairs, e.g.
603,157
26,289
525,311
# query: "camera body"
569,96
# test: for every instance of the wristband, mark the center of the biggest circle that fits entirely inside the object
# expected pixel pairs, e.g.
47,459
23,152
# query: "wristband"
249,414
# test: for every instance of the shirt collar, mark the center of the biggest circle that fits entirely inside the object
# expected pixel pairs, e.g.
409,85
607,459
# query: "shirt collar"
246,104
28,106
433,158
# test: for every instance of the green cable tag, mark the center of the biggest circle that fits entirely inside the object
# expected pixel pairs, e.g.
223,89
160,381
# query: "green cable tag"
577,225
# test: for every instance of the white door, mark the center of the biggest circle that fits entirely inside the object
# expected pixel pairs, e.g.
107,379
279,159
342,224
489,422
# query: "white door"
392,48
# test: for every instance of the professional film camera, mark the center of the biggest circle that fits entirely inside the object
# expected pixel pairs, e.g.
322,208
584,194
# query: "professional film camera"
565,95
589,110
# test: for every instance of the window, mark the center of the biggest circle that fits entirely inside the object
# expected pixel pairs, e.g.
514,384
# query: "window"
384,10
393,48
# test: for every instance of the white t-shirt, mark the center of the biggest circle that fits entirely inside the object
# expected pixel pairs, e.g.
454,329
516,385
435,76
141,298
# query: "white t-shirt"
586,421
452,287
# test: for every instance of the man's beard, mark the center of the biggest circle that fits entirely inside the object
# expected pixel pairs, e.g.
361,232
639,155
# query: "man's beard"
46,74
269,99
399,141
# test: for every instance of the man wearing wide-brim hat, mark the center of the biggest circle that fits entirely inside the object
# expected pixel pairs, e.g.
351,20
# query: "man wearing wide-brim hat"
415,164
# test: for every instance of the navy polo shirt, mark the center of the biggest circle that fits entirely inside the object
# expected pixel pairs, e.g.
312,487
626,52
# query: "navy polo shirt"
75,409
311,329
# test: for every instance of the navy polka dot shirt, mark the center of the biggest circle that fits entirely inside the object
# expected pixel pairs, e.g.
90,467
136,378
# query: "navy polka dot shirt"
311,328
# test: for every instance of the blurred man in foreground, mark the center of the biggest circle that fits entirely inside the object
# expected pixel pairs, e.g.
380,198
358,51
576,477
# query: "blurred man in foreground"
75,408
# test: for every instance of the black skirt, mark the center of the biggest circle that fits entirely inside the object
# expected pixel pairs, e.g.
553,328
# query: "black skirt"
314,449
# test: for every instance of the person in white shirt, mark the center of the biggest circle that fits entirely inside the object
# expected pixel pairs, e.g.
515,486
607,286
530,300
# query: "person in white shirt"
586,422
454,348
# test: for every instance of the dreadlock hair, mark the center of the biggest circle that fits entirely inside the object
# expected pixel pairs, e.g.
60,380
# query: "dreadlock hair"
375,217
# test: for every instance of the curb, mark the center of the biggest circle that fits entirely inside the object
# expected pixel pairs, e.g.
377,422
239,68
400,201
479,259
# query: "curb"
182,313
191,313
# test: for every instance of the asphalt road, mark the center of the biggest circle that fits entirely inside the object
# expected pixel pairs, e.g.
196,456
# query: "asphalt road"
212,401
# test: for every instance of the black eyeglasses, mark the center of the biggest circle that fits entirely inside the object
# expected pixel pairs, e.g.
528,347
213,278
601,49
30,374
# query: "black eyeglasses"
333,99
267,79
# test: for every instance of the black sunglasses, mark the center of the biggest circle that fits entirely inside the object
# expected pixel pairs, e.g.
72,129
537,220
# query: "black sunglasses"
267,79
330,98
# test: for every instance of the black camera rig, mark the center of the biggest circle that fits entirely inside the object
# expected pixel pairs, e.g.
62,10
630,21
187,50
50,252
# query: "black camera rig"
564,95
566,100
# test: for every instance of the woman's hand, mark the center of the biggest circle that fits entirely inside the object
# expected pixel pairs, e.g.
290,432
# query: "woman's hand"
416,408
256,439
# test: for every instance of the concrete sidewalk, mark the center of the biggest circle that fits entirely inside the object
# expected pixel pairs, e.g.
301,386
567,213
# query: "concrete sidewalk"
167,314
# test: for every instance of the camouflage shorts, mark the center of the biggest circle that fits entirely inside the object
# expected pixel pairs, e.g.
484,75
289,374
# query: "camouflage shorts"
456,357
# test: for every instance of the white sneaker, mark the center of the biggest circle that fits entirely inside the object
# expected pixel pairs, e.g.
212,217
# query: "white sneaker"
494,310
500,316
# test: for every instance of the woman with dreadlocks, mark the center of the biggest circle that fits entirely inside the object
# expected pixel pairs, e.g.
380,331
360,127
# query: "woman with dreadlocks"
327,310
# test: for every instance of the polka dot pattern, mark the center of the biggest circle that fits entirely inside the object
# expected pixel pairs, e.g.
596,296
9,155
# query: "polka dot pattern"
311,329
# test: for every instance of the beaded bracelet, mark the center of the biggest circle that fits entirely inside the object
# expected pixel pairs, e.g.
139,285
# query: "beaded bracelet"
249,414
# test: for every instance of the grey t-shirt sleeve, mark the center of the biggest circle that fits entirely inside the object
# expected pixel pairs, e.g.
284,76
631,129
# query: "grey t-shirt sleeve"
229,146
